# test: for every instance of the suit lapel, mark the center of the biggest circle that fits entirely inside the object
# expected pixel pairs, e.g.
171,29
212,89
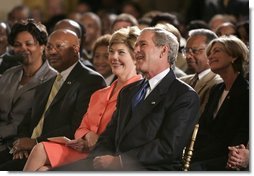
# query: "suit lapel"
38,78
201,84
127,110
71,79
146,107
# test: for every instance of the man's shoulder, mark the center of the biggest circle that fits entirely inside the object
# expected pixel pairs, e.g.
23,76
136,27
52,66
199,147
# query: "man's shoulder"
186,77
128,88
86,70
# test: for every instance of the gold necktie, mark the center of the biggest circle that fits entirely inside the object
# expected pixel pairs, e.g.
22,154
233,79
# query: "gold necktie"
56,86
194,81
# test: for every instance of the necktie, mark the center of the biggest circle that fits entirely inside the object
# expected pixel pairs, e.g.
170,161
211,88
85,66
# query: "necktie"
194,81
140,95
56,86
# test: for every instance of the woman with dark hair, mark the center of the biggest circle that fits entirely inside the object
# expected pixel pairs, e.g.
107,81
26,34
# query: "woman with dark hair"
102,104
18,83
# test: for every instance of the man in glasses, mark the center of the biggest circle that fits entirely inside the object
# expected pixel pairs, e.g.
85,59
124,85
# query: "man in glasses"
203,78
60,103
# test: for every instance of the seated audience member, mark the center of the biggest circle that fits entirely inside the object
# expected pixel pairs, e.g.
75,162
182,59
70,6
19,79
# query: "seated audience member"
238,157
59,104
81,33
100,58
4,32
225,120
180,59
107,19
18,83
243,28
203,79
7,57
243,34
122,21
101,107
226,28
92,24
154,117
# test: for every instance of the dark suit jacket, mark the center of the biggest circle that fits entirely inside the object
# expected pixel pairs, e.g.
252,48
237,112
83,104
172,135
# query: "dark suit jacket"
231,125
158,129
65,112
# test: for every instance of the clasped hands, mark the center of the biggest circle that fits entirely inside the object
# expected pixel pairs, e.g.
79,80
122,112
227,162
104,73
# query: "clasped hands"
238,157
84,144
22,147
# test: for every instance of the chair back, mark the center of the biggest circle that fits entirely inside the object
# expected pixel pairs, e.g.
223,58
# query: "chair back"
188,151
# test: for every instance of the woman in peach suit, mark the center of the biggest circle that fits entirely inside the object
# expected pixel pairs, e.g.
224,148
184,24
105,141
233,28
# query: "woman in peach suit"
102,104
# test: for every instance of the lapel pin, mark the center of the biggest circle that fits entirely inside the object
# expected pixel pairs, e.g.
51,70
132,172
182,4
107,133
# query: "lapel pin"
153,102
69,82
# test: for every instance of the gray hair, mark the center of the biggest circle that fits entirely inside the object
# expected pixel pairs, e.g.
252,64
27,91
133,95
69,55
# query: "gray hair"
210,35
163,37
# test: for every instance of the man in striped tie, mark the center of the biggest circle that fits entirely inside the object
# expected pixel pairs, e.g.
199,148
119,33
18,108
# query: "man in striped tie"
59,103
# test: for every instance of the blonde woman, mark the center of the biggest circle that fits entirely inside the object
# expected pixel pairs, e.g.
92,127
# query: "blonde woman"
101,107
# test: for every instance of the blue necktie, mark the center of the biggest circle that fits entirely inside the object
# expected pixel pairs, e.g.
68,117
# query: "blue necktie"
140,95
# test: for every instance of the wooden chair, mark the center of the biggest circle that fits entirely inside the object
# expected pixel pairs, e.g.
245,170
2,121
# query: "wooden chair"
188,151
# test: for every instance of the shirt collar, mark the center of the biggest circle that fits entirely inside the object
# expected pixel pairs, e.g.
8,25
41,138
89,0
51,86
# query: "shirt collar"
153,82
203,73
66,72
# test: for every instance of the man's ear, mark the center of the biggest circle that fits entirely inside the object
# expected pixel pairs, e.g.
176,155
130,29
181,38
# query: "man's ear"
164,50
76,48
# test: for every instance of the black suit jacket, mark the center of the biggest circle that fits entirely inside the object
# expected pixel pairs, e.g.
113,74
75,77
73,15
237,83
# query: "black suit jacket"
65,112
158,129
230,126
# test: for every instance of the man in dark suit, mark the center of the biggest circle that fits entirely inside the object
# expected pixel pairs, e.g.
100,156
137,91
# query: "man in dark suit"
63,115
153,134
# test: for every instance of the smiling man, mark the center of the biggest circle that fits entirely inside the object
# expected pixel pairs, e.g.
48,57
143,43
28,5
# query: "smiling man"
60,103
203,79
152,133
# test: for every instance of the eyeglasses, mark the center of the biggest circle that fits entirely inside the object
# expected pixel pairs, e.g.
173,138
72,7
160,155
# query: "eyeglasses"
194,51
57,47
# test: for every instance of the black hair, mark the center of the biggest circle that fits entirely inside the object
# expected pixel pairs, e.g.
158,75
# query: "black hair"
37,30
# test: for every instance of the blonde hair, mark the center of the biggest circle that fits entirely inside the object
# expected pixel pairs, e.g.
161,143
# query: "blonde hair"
234,47
127,36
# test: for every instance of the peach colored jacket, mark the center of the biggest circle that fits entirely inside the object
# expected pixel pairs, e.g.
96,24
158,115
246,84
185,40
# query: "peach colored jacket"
99,113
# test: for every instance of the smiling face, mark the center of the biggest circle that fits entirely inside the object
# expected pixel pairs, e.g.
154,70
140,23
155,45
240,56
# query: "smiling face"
219,59
28,48
151,59
101,61
121,60
195,54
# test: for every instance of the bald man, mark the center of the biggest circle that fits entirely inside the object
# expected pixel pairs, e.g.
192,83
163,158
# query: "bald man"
64,114
81,33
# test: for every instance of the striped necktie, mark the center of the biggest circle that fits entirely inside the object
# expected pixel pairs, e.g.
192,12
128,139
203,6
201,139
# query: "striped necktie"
56,86
194,81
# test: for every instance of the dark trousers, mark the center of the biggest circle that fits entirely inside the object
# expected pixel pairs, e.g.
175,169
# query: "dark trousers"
8,164
5,156
215,164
